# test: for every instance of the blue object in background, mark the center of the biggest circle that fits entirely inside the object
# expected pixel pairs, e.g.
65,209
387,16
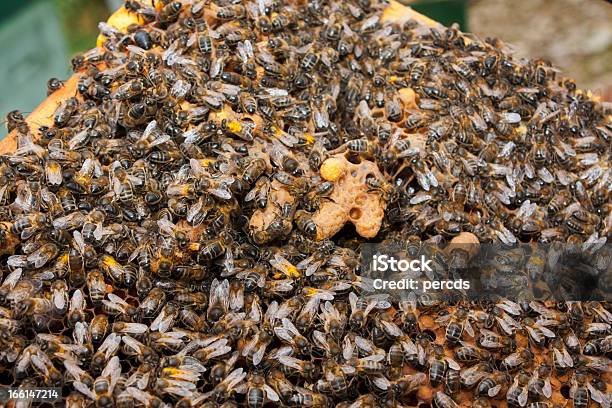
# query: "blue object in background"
33,50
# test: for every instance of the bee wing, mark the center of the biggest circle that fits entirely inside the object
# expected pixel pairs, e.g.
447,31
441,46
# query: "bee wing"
180,388
472,376
166,226
409,305
431,177
313,268
340,286
39,363
78,139
259,354
272,312
507,328
288,324
135,328
547,388
559,356
452,363
534,334
73,369
444,319
494,391
348,348
234,378
392,329
511,117
594,327
505,235
604,314
513,387
522,398
283,334
319,339
422,354
364,344
250,196
236,300
283,265
409,346
178,90
242,53
374,357
77,301
353,301
596,395
371,305
60,299
80,333
539,308
469,329
218,291
53,173
281,351
289,362
116,299
321,294
18,261
381,382
221,191
112,370
12,278
83,389
79,241
546,331
526,209
24,360
567,358
270,393
111,344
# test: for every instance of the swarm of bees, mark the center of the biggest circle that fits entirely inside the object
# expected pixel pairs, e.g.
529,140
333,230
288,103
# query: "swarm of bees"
130,276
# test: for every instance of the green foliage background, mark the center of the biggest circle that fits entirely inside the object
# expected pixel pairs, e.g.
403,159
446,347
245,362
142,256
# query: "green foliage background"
80,22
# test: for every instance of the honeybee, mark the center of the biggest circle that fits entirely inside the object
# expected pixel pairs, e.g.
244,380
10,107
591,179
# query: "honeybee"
134,348
491,340
65,111
361,308
520,358
456,324
307,398
537,331
439,364
442,400
258,391
290,334
255,348
166,318
46,369
76,310
103,386
118,307
114,270
25,226
228,386
305,369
